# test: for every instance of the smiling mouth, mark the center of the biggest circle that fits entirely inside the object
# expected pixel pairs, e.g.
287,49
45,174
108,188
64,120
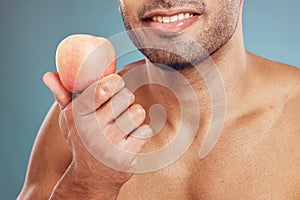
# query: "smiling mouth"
171,20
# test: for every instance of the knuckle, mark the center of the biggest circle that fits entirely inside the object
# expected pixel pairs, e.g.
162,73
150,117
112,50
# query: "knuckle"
106,87
103,90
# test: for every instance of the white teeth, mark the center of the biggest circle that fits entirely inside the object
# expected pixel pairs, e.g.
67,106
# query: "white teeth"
159,19
186,15
181,16
166,19
174,18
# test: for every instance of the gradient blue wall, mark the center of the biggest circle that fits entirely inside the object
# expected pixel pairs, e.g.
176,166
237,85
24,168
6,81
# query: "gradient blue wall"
31,30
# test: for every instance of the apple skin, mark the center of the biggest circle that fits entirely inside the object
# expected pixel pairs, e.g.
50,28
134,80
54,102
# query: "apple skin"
82,59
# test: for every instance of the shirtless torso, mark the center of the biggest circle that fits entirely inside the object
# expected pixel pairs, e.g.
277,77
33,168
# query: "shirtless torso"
256,157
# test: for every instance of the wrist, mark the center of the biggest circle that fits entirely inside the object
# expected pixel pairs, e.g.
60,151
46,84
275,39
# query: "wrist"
75,185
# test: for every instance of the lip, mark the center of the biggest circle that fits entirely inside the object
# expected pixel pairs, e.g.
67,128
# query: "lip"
170,12
172,27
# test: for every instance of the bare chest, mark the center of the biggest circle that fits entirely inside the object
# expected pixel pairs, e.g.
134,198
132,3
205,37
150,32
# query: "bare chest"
252,160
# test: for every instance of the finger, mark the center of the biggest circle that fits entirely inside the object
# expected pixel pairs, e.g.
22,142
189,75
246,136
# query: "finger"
137,139
115,107
125,156
144,132
134,145
61,95
126,123
97,94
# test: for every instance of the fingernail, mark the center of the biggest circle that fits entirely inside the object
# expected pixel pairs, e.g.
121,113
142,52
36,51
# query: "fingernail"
143,132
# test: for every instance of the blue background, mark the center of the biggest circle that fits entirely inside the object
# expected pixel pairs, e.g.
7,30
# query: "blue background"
31,30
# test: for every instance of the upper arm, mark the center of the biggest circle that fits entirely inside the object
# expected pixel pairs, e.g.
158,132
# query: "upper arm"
49,159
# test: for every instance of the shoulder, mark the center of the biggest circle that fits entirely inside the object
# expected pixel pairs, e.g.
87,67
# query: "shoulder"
286,80
279,89
282,79
282,85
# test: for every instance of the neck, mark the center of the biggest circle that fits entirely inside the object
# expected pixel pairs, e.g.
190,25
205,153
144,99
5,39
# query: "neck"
220,78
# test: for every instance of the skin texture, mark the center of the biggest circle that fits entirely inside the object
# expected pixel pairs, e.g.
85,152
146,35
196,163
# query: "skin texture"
218,23
256,156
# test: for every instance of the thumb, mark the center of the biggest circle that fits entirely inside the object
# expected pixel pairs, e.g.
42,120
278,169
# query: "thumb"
61,95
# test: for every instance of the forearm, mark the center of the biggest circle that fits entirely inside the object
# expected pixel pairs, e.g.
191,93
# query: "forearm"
49,159
71,186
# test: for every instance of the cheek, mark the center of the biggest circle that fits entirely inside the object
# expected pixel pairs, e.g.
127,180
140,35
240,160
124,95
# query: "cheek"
219,6
218,10
130,8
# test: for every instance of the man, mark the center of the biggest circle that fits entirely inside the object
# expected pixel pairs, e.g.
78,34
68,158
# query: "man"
256,155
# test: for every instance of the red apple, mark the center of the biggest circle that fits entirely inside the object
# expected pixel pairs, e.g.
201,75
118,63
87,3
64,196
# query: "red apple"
83,59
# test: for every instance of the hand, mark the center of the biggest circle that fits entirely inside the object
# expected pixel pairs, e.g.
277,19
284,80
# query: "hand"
104,130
